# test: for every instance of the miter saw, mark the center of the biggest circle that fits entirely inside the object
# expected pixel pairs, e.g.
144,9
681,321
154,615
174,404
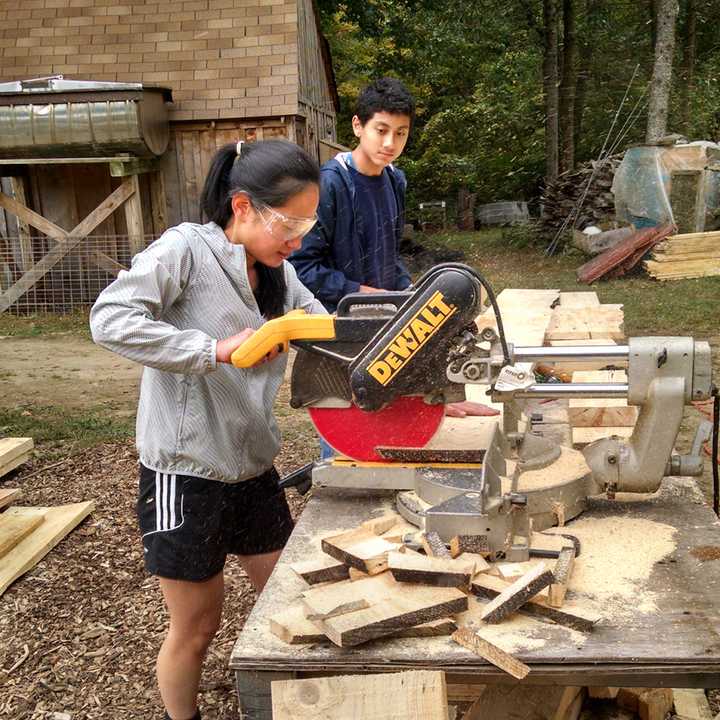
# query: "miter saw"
376,376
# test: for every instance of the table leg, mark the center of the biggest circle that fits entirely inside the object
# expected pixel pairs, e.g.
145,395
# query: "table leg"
253,689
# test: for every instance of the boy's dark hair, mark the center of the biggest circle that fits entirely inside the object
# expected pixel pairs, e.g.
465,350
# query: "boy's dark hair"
270,172
385,95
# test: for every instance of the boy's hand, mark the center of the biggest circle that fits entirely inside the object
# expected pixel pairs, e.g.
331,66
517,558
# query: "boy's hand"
226,347
468,408
370,289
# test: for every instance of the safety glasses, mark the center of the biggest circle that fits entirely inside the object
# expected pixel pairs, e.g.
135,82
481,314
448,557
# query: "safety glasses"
281,226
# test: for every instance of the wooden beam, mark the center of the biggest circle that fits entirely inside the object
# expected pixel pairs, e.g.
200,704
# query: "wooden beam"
65,243
468,638
417,694
517,594
571,615
25,214
59,521
132,166
26,256
412,567
16,523
133,215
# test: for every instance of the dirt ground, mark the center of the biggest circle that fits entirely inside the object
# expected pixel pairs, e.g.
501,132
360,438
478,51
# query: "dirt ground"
80,633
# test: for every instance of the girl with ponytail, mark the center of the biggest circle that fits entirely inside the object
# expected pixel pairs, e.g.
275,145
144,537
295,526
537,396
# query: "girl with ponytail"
206,435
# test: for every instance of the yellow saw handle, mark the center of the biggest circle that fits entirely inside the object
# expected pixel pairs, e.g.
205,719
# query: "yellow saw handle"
295,325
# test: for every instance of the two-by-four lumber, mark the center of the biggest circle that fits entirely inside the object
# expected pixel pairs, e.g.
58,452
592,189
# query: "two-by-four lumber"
412,567
8,496
573,616
59,521
417,694
434,545
392,607
469,543
469,638
16,523
691,704
527,702
322,568
655,704
14,452
517,594
359,548
561,577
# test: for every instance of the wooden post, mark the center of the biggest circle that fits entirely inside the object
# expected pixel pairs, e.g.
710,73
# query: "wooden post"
254,695
133,215
159,203
18,189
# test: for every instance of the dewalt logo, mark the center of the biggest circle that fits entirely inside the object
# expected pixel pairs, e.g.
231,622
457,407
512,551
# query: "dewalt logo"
427,321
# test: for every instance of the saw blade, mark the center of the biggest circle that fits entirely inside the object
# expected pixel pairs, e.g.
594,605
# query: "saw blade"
407,422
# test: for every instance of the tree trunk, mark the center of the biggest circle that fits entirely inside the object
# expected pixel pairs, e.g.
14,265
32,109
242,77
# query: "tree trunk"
591,26
667,12
568,87
652,11
550,83
688,74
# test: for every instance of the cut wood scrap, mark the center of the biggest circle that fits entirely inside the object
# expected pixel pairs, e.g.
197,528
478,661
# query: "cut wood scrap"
417,694
570,615
561,577
469,543
655,704
59,521
355,574
8,496
526,702
393,606
322,568
470,639
603,693
359,548
14,452
542,545
433,545
579,299
412,567
382,524
17,523
292,627
330,600
517,594
399,532
479,562
691,704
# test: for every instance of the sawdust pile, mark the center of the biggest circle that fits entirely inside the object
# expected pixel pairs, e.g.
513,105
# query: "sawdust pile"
617,552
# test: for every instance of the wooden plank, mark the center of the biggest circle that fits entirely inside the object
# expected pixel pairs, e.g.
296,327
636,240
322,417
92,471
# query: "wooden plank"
392,606
359,548
32,218
579,299
380,525
542,545
602,416
16,523
691,704
655,704
11,448
64,245
583,436
59,521
320,569
8,496
412,567
329,601
629,698
12,464
414,694
517,594
470,639
133,215
480,563
26,257
570,615
561,577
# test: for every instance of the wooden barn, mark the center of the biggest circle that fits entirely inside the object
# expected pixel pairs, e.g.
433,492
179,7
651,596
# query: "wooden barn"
96,163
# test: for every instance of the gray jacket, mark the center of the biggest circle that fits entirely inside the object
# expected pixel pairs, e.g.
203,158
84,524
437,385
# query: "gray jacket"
183,293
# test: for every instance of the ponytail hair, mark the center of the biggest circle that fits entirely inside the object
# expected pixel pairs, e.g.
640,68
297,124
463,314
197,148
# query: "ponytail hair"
270,172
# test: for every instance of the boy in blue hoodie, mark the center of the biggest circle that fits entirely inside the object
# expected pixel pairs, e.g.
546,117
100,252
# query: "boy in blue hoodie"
355,245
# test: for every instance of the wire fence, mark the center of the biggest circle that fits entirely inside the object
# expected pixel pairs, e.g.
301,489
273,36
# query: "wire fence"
43,275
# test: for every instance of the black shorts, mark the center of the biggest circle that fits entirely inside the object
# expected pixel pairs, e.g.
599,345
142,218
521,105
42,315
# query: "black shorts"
189,525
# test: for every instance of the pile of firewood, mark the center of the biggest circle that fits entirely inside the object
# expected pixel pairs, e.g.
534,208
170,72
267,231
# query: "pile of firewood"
560,197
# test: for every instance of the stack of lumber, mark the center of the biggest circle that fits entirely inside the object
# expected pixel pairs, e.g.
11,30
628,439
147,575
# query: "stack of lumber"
624,256
370,584
13,453
563,195
685,256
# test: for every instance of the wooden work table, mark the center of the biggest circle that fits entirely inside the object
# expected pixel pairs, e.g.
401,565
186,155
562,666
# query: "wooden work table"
677,645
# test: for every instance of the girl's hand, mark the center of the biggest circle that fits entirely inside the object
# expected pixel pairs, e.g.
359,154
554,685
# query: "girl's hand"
226,347
469,408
